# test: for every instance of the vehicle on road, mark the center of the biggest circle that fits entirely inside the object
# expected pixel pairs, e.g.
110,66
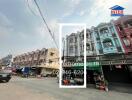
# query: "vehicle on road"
5,77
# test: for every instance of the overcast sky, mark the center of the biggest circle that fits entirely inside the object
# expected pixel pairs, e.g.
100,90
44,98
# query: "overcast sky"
23,31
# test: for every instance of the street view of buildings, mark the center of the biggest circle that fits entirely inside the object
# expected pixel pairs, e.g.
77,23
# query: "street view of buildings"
42,50
108,51
108,54
41,62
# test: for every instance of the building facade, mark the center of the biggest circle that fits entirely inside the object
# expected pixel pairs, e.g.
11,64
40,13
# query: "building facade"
6,61
106,39
43,59
106,47
75,44
123,26
50,65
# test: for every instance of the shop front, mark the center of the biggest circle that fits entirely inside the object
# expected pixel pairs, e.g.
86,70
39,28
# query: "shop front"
77,71
117,74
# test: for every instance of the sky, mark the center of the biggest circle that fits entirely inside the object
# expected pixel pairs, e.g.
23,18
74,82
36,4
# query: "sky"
22,29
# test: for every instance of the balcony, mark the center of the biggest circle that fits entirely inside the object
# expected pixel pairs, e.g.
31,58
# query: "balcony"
89,53
106,35
109,50
73,43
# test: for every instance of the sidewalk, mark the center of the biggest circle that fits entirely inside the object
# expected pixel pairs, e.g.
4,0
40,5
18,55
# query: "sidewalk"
120,87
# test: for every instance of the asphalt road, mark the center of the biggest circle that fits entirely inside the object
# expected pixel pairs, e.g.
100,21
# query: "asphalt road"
48,89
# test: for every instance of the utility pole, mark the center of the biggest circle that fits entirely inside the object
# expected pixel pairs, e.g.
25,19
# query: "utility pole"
63,40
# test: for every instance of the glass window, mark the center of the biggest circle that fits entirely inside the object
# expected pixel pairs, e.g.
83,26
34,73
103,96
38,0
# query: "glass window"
104,31
88,46
71,49
117,42
87,35
51,54
71,40
107,43
96,34
99,46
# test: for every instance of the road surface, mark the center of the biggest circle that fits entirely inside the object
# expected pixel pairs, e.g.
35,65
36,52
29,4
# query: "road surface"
48,89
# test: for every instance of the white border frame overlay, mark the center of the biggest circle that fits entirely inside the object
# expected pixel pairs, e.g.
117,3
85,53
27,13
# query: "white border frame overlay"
60,54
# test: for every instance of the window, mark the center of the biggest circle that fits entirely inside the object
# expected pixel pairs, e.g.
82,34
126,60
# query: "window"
75,39
87,46
112,29
50,61
87,35
126,42
51,54
71,40
104,31
96,34
71,49
117,42
107,43
92,46
99,45
82,47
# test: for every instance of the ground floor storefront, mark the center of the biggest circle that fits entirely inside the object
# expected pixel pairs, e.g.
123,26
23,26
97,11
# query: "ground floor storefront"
76,73
112,75
117,74
36,71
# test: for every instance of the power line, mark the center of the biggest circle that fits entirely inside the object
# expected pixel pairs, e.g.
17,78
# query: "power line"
51,34
30,8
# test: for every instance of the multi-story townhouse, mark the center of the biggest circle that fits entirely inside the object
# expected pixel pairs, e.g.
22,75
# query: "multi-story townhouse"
123,26
75,45
39,60
71,45
106,39
90,45
50,61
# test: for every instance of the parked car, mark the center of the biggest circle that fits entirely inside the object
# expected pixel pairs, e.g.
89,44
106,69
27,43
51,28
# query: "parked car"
5,77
